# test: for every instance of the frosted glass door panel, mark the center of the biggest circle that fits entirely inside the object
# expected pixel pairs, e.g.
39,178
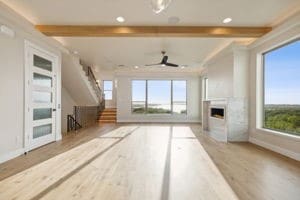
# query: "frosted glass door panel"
42,63
42,130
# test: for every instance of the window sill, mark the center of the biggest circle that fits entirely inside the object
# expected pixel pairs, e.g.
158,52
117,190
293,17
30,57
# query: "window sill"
280,134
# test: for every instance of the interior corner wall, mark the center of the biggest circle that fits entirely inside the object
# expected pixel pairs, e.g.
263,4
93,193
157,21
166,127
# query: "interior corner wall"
67,108
289,146
12,85
124,99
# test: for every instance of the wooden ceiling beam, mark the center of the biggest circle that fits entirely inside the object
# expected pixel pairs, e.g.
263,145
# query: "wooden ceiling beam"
152,31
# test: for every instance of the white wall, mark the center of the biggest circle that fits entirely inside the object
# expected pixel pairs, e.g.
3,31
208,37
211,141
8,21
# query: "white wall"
12,80
220,77
241,72
281,143
227,73
67,108
76,82
124,98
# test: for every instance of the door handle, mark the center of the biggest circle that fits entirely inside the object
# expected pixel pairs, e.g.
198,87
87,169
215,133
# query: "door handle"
53,110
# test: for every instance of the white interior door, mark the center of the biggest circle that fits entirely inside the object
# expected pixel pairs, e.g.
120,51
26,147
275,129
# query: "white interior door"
41,98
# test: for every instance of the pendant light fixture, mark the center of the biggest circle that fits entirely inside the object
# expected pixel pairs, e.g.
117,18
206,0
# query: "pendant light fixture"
159,5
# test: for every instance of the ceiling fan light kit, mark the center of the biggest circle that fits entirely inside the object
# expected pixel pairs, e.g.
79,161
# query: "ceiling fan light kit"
159,5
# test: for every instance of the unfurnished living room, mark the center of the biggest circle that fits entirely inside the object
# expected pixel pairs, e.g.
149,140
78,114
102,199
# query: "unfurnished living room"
150,99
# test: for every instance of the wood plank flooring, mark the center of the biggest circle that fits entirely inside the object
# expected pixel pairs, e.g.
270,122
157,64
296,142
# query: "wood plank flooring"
149,161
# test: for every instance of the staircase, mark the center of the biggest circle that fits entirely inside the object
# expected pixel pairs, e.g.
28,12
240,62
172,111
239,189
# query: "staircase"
109,115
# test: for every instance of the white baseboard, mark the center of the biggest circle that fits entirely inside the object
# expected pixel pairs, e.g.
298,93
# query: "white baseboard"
11,155
277,149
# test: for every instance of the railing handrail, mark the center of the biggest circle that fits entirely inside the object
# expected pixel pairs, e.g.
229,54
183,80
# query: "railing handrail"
95,83
91,74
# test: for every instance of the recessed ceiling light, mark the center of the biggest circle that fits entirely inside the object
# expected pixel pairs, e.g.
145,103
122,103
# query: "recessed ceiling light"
227,20
120,19
76,52
182,67
136,67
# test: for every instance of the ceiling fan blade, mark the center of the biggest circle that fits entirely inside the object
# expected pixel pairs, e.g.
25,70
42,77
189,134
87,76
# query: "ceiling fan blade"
164,60
153,64
171,65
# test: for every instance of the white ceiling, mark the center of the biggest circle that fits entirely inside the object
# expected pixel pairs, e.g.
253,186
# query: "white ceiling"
138,12
111,52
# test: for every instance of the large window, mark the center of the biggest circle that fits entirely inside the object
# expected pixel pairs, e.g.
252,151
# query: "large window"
179,97
139,96
282,89
108,89
159,96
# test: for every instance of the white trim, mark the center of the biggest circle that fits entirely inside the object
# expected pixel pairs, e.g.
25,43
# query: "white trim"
277,149
11,155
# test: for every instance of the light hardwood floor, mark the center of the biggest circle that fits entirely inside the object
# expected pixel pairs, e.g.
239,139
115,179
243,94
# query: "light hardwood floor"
149,161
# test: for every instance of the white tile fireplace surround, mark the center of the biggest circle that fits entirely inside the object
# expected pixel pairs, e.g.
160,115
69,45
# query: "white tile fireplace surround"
226,119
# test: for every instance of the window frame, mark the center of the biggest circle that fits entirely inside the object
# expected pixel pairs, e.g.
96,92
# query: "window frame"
112,88
260,93
146,95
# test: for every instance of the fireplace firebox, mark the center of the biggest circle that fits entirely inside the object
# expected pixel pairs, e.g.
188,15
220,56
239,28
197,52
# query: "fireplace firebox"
217,113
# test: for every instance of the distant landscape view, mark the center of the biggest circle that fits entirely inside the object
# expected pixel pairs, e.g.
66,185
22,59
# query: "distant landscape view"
138,107
283,118
282,89
161,97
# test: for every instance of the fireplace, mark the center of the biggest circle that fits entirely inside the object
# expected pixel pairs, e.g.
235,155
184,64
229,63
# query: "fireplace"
217,112
226,119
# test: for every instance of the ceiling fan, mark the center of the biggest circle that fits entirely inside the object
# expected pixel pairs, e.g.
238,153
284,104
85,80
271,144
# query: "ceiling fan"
164,61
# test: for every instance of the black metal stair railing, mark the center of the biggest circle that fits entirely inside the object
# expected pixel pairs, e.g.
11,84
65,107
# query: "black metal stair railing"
72,124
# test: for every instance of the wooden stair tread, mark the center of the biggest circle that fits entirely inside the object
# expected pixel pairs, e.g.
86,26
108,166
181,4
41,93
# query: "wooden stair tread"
108,115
